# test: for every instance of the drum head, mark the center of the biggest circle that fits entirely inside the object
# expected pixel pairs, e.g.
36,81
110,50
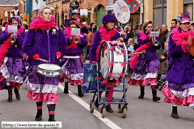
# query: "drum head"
49,66
104,59
49,70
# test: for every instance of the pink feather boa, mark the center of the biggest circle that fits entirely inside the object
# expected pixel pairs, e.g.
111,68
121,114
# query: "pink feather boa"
105,36
6,44
181,38
72,45
135,59
39,23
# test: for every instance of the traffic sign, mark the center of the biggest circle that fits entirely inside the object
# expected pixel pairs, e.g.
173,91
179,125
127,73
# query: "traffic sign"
134,5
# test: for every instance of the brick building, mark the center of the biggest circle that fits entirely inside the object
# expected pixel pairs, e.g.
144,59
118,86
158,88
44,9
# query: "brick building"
8,5
96,9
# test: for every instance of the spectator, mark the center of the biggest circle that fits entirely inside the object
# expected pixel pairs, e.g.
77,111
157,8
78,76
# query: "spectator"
163,68
62,27
3,27
192,26
131,49
140,27
98,28
130,31
90,38
173,24
161,39
94,28
165,33
25,27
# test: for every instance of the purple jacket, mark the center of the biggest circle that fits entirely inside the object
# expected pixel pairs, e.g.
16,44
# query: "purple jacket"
44,43
151,50
182,71
14,51
83,30
96,42
77,51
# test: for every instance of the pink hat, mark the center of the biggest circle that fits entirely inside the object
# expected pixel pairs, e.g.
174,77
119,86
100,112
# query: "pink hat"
184,18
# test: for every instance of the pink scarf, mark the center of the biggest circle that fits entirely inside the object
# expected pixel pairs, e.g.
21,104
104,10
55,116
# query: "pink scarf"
105,36
181,38
135,59
39,23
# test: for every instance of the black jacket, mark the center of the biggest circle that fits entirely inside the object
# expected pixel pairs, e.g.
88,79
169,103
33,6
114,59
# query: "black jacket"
130,34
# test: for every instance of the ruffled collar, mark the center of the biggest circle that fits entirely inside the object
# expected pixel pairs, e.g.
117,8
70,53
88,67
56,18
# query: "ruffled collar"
107,34
39,23
180,38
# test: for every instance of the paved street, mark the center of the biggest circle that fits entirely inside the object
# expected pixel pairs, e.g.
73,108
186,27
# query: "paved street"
141,114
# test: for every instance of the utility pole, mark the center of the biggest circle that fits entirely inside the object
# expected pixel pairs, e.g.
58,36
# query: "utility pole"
29,10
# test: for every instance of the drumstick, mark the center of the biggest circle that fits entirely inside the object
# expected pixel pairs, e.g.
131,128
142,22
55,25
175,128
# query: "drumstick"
43,60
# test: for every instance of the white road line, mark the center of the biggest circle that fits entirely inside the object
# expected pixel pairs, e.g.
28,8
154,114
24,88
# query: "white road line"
96,113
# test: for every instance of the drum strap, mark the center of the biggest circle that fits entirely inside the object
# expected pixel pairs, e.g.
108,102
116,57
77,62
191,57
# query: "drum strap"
72,57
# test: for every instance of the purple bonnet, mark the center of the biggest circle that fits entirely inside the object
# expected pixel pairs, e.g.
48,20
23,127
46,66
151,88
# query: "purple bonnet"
109,18
13,18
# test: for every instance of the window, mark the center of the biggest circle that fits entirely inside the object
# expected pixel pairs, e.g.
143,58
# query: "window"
24,7
188,8
159,15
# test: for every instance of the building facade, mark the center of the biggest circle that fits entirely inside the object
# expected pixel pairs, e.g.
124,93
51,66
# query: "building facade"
8,5
96,10
163,11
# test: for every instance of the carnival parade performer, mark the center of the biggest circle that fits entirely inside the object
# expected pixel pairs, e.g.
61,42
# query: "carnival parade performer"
76,17
71,63
145,67
179,88
108,32
12,67
47,42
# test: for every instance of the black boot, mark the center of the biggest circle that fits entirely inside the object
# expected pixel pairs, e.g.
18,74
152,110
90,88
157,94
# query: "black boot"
141,92
66,90
80,91
38,115
51,117
39,111
96,103
9,95
174,113
155,98
17,95
109,109
51,108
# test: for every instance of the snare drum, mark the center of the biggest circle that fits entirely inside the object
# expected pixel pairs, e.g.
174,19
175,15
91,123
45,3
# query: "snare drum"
49,70
118,59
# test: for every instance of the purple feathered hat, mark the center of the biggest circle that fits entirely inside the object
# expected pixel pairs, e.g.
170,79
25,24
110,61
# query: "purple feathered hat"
109,18
184,18
13,18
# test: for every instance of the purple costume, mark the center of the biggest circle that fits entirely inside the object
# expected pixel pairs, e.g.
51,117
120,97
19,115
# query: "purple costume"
96,42
45,43
179,89
71,63
12,69
146,69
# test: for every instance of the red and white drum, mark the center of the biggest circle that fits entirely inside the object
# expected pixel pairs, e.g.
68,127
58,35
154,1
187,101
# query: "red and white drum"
113,60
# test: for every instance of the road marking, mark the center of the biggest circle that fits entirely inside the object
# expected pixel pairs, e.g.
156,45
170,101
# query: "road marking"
96,113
